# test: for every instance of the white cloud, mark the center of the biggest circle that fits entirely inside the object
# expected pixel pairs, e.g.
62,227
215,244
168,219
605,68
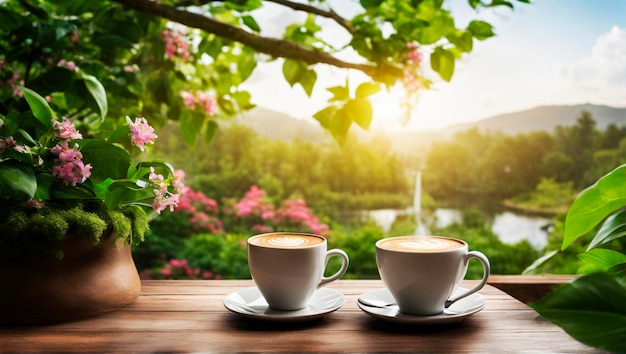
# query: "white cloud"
601,76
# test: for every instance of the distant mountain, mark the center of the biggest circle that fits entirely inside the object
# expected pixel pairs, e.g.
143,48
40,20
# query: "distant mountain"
276,125
545,118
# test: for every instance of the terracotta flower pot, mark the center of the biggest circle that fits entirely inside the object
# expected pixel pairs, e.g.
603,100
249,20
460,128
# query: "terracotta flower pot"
87,281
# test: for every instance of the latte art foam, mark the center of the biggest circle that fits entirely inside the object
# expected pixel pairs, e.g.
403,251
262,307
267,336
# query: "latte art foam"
286,241
420,244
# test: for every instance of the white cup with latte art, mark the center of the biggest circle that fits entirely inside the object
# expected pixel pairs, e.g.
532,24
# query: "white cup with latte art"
422,272
289,267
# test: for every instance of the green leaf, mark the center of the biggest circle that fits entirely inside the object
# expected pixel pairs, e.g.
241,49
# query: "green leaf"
600,259
251,23
591,309
481,30
190,126
106,159
98,93
44,182
340,124
340,93
594,204
367,89
539,261
211,128
613,227
360,111
297,72
325,116
39,106
442,61
17,179
291,71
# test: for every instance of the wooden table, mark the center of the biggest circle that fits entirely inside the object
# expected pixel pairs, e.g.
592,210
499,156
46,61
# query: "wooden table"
181,316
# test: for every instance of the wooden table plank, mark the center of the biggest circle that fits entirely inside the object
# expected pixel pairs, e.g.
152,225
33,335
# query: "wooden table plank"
184,316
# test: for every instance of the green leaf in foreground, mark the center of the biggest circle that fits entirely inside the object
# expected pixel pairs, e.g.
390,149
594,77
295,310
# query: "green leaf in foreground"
594,204
613,227
591,309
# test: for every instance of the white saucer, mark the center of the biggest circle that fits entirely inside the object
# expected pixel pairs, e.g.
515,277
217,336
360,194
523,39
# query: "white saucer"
457,312
250,303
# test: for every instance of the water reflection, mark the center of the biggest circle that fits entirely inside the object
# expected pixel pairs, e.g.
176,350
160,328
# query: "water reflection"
510,227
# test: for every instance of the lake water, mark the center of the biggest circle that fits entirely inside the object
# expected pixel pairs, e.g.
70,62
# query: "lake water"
510,227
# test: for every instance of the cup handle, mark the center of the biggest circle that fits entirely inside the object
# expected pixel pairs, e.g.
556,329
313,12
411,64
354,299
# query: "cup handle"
340,272
486,270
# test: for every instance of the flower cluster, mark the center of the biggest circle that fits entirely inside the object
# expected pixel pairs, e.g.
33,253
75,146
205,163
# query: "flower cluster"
255,208
206,102
296,213
202,211
67,64
163,199
413,63
176,45
141,133
11,78
10,144
178,269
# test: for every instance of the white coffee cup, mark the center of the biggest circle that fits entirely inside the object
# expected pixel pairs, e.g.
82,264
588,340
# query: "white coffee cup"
422,272
288,267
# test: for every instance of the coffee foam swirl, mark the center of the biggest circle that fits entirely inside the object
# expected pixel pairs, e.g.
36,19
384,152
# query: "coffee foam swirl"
420,244
286,241
425,244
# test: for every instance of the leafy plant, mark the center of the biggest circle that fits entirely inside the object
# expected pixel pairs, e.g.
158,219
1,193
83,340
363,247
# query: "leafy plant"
54,182
592,309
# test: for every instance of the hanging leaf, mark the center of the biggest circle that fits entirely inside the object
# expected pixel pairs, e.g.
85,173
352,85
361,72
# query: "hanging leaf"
591,309
367,89
360,111
98,93
39,106
481,30
442,61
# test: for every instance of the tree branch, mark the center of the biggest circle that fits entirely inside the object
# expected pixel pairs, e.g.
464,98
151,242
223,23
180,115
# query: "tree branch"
292,5
314,10
271,46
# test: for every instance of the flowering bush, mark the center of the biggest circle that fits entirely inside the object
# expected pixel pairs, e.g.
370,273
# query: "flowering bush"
55,182
178,269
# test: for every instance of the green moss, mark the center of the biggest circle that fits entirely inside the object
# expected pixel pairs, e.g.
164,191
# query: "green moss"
25,229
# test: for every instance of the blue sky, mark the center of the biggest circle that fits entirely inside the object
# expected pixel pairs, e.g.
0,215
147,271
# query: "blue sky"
551,52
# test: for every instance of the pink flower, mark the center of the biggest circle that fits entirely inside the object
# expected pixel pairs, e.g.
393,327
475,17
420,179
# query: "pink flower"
414,54
155,179
207,102
162,202
188,99
65,153
67,64
72,172
65,129
35,204
175,45
141,133
166,271
177,182
10,143
180,263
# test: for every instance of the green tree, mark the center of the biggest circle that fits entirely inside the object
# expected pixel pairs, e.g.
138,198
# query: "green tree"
185,60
